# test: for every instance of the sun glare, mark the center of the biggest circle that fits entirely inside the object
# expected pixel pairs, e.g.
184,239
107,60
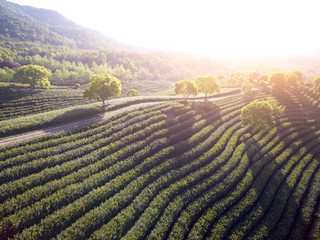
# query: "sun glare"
215,28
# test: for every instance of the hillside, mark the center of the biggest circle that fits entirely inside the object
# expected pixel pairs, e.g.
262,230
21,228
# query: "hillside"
171,171
25,23
150,167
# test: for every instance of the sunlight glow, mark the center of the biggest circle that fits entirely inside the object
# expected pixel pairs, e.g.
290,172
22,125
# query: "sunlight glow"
213,28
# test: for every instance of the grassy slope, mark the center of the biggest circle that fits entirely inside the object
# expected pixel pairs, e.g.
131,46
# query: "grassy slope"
169,171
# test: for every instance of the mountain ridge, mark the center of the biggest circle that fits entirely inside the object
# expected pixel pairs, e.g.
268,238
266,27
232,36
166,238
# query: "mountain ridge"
26,23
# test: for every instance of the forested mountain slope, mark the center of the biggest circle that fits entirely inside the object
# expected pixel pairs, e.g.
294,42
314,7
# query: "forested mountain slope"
27,23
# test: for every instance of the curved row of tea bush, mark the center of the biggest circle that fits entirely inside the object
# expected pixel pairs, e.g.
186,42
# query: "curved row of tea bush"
186,170
17,102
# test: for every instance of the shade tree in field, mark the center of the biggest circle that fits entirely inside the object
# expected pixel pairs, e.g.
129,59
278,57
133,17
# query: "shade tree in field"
263,85
133,93
278,79
236,79
292,80
261,114
254,76
102,87
36,76
186,88
263,77
299,74
247,88
316,85
207,84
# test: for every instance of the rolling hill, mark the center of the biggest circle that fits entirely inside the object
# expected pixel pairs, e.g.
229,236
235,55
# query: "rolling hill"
170,171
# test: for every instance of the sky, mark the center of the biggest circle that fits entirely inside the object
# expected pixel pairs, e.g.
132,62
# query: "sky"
213,28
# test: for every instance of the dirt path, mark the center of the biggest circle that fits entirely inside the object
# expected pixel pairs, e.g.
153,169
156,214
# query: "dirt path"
84,122
71,125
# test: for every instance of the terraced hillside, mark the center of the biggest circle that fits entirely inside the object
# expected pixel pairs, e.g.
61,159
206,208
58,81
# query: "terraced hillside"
17,101
171,171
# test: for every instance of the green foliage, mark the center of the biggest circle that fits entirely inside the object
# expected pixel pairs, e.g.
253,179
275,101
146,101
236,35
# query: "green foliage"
316,85
70,66
6,74
299,74
254,75
36,76
186,88
261,114
132,93
207,84
236,79
263,84
293,79
102,87
77,86
264,77
278,79
277,110
246,88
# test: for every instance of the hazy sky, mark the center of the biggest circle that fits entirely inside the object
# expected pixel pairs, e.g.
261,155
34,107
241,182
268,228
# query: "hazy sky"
211,27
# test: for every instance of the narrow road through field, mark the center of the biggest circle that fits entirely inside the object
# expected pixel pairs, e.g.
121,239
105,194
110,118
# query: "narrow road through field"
84,122
71,125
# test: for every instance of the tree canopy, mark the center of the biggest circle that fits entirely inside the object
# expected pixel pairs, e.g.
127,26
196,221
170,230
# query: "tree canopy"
247,88
264,77
292,79
36,76
186,88
207,84
102,87
279,80
261,114
133,93
299,74
262,85
316,85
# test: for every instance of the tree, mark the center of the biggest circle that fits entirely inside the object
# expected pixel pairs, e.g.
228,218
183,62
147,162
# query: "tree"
299,74
277,110
133,93
263,85
254,75
292,80
207,84
264,77
236,79
278,79
36,76
6,74
246,88
102,87
316,85
186,88
261,114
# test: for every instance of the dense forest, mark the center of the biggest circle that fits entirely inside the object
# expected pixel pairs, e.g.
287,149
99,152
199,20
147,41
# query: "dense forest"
69,66
73,53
